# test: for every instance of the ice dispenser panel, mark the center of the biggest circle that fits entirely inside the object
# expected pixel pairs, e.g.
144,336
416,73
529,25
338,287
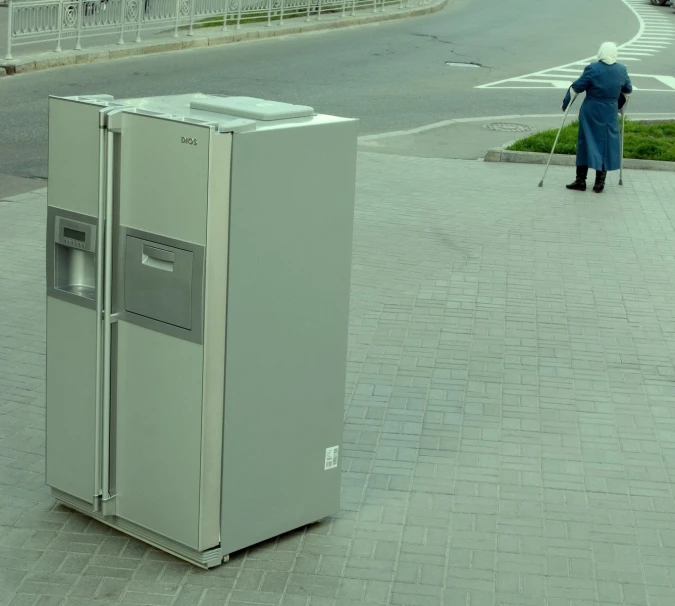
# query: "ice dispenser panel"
74,249
158,282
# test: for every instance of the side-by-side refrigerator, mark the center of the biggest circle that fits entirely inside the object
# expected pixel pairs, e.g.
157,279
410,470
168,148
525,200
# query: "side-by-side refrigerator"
198,273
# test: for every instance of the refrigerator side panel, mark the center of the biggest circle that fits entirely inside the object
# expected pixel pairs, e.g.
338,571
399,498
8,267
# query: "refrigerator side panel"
71,385
74,156
288,305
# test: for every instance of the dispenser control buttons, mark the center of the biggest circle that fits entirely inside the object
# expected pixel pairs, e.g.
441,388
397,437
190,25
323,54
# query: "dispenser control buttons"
74,243
75,234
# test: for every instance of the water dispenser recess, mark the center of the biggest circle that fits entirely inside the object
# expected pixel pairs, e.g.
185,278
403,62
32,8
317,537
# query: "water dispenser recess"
75,258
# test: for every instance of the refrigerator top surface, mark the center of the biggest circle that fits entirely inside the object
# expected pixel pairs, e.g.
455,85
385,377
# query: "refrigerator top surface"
230,114
250,107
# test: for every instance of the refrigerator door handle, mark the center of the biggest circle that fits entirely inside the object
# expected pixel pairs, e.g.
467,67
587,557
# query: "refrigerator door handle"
111,121
100,243
107,499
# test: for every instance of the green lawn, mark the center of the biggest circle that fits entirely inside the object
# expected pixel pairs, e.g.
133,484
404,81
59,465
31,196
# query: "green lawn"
643,141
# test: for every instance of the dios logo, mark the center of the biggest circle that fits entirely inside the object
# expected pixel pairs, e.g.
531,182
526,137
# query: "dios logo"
188,141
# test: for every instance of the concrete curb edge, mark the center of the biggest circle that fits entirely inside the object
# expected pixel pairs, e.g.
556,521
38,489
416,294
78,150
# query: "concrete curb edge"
49,60
497,154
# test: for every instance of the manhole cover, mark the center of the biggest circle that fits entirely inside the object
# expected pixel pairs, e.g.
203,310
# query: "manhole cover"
508,127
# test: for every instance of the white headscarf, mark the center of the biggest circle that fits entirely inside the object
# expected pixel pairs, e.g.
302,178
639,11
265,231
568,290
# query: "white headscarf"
608,53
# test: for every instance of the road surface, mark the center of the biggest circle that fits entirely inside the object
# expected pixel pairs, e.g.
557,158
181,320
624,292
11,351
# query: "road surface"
392,76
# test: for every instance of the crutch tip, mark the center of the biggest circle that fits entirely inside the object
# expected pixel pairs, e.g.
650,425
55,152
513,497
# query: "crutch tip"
541,183
620,181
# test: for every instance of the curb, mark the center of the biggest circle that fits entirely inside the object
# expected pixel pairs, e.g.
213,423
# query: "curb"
497,154
49,60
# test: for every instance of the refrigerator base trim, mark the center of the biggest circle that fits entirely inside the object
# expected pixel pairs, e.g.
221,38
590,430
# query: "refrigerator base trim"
204,559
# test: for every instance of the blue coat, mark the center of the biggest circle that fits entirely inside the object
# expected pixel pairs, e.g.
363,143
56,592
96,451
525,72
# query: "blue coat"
599,142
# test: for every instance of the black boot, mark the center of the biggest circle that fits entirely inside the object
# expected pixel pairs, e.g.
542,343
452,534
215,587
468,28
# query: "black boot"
580,182
600,176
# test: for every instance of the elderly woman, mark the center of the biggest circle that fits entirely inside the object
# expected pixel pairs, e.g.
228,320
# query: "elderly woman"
607,88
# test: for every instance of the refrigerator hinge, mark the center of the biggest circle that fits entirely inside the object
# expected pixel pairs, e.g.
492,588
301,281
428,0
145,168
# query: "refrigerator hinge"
114,318
113,119
106,507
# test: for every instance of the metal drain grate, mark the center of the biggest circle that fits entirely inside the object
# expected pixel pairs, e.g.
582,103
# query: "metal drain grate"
508,127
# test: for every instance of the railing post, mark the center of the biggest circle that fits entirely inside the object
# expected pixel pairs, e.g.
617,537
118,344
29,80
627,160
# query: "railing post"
281,14
353,8
123,15
309,6
192,16
175,31
239,15
80,8
59,16
269,13
227,6
318,13
344,8
374,6
8,56
139,18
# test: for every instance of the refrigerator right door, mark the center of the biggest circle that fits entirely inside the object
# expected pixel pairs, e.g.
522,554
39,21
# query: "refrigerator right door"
168,341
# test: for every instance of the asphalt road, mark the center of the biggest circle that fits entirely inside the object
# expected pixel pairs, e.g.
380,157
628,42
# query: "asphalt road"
392,76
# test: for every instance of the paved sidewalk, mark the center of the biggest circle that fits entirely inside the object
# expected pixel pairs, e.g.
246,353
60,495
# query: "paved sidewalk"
510,416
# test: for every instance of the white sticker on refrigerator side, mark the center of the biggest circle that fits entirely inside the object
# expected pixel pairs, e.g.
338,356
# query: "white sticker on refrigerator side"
331,461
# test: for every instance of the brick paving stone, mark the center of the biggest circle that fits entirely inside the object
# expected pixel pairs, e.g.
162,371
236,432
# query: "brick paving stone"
509,419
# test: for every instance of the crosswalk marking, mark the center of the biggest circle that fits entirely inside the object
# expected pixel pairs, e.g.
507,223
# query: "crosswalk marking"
656,34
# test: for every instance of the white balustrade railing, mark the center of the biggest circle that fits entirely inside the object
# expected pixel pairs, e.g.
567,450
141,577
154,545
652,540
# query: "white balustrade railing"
57,25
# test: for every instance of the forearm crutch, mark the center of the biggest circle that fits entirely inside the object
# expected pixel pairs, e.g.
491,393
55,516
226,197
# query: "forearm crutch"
574,96
623,134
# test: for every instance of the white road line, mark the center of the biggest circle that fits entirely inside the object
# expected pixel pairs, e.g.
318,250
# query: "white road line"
655,34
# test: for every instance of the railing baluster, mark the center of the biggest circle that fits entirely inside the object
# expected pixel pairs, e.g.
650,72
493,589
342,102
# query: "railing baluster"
80,7
59,16
139,17
10,16
122,16
192,16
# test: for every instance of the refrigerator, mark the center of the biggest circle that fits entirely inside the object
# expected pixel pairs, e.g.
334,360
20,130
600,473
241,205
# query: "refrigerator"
198,274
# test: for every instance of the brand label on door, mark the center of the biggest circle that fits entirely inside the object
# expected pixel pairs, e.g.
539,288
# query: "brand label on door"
331,458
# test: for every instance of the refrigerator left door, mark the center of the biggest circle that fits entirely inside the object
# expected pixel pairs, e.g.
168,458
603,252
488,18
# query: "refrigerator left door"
74,298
